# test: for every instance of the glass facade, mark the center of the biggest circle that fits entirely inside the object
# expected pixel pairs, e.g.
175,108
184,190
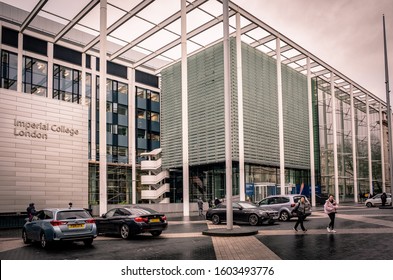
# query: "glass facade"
364,121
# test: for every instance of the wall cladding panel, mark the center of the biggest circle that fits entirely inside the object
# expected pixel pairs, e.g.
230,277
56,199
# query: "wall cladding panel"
48,167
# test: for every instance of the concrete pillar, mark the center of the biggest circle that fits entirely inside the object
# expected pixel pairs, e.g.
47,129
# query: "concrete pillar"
335,155
311,129
280,118
354,154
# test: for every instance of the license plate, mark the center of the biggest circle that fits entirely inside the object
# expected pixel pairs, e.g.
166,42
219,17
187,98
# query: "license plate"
154,220
76,226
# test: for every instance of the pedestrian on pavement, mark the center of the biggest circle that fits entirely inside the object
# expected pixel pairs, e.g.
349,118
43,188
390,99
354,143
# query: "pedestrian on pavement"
216,201
200,206
30,211
300,210
330,208
383,198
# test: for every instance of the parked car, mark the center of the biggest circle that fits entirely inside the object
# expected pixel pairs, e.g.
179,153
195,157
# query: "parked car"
284,205
243,212
377,201
129,221
53,225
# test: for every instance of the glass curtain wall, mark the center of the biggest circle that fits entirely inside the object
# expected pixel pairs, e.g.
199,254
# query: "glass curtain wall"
362,147
325,115
344,145
376,159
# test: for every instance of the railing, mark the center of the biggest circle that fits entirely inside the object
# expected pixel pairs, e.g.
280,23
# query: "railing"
154,179
151,164
154,194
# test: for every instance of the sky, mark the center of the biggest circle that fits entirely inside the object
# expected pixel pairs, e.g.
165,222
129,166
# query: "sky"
346,34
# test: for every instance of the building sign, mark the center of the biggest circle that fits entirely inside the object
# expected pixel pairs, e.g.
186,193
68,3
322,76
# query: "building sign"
39,130
250,189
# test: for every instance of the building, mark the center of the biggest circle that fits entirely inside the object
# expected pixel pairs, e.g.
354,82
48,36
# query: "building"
227,109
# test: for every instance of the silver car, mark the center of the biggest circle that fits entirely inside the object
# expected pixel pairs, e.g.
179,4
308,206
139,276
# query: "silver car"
376,200
50,225
284,204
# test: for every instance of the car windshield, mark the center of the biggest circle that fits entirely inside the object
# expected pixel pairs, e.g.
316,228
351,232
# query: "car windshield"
73,214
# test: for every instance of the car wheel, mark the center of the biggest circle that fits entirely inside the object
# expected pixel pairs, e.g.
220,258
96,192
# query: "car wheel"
43,241
253,219
284,216
125,231
216,219
88,242
24,237
369,204
156,232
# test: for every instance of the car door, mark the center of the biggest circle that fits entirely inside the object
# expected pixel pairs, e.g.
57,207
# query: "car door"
37,224
238,213
104,223
376,200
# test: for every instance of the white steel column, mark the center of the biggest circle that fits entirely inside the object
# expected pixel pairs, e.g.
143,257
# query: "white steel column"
102,125
382,146
227,109
239,72
93,116
83,82
332,91
184,95
354,152
19,79
370,164
280,118
49,89
311,129
132,130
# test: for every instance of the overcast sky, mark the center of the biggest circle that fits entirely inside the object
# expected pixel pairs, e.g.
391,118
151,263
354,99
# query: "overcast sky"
346,34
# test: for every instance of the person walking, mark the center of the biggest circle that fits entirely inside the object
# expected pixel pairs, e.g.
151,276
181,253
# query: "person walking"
300,210
383,198
200,206
30,211
330,208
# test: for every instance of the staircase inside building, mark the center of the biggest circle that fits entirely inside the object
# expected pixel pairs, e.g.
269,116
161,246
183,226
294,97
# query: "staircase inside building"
155,179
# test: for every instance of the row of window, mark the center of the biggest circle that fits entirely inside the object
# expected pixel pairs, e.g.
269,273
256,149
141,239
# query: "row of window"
66,81
116,129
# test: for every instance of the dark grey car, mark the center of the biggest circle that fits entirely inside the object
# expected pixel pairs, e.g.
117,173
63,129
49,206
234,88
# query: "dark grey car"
284,204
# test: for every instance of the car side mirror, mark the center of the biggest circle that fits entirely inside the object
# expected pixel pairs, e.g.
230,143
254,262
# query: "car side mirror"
240,208
103,215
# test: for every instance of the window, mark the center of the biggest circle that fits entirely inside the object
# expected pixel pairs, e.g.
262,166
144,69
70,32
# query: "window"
154,137
140,92
141,134
109,106
35,77
66,84
155,117
123,151
108,128
122,110
9,65
154,96
122,130
122,88
141,114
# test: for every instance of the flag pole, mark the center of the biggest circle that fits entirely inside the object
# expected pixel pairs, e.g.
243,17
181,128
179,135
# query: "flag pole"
388,103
